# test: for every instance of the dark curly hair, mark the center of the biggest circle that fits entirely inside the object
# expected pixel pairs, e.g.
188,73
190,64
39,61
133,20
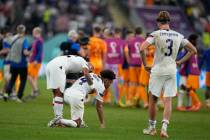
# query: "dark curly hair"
108,74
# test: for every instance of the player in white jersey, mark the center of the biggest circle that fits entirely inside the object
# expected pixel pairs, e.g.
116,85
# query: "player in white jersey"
163,71
75,96
56,71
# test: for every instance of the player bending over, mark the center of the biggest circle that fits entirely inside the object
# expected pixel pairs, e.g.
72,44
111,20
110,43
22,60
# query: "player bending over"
56,71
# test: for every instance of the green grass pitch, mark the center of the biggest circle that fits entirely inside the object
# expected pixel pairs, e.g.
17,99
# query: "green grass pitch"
28,121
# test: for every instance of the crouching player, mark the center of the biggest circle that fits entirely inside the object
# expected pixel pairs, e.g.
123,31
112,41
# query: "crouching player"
75,96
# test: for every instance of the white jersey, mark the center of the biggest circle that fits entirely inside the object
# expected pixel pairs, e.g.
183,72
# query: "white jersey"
82,86
70,63
167,43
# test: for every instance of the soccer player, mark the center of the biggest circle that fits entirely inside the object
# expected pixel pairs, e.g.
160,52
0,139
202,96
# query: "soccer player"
206,60
183,72
97,50
163,71
124,73
134,60
144,77
35,61
193,77
114,56
56,71
75,96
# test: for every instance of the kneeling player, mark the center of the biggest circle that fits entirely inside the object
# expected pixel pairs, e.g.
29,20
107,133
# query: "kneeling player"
75,96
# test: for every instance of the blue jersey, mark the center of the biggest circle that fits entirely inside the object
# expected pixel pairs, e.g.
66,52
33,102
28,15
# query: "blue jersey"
206,60
6,45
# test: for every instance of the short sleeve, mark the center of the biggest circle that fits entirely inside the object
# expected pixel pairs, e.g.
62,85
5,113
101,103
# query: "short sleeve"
184,42
25,44
151,38
84,63
104,47
100,93
99,96
6,45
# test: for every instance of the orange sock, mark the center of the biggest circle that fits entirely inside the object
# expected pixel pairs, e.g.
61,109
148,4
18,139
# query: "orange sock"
131,92
143,95
195,99
121,92
17,84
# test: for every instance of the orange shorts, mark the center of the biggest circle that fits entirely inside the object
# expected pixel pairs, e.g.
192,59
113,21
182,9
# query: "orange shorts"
208,79
134,74
33,69
193,81
125,74
144,78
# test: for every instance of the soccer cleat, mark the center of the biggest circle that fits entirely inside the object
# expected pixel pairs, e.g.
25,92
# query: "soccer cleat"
83,125
150,131
163,134
181,108
54,122
120,104
5,97
18,100
195,107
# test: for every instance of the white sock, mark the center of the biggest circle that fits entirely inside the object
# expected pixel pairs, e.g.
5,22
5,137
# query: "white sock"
164,124
70,123
58,106
180,97
152,124
189,100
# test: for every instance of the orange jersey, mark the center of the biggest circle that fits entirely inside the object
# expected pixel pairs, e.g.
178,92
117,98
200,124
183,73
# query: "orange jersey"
97,50
208,79
150,51
144,78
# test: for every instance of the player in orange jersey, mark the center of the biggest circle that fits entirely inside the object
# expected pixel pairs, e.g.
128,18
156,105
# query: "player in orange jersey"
97,50
144,77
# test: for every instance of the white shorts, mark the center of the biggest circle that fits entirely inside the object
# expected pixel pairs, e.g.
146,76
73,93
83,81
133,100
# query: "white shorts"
75,99
56,77
183,80
165,83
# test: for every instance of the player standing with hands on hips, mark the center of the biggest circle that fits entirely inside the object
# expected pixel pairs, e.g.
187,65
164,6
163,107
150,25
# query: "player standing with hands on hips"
56,71
163,71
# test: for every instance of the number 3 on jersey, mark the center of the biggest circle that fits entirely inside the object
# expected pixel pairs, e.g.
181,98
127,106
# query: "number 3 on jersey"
169,44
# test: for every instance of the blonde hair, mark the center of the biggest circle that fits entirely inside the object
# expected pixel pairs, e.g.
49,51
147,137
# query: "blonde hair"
163,17
38,30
